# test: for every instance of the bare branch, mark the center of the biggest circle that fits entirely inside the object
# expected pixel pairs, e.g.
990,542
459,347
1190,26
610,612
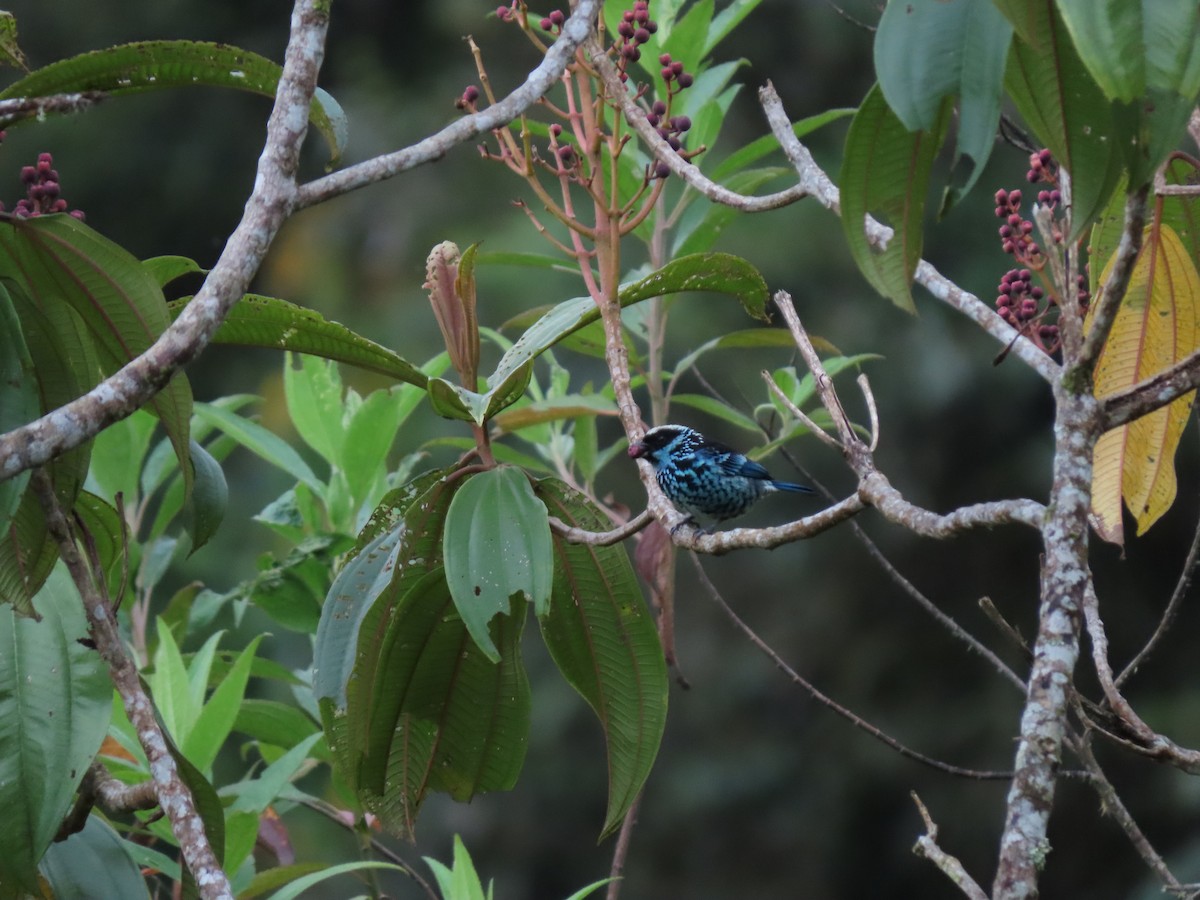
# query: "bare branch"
828,702
173,795
574,31
1154,744
816,183
274,191
1168,615
601,538
873,486
927,846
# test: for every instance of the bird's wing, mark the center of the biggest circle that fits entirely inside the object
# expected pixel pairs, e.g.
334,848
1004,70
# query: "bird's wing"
736,464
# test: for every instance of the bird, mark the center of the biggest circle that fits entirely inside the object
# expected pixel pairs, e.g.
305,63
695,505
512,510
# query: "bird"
703,478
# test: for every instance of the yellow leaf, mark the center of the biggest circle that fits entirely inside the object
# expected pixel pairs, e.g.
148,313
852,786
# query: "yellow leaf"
1156,326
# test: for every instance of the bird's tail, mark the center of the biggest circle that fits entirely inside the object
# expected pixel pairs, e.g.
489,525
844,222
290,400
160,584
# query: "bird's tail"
789,486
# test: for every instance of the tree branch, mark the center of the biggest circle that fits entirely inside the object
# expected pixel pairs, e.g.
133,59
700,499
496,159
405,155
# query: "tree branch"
1153,393
816,183
269,205
27,107
574,31
927,846
173,795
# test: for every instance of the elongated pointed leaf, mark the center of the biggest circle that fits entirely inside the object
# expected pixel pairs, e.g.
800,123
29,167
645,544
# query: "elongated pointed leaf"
720,273
58,259
406,528
1158,324
274,324
65,366
443,717
886,173
1064,107
55,700
928,50
497,545
153,65
19,398
94,862
604,641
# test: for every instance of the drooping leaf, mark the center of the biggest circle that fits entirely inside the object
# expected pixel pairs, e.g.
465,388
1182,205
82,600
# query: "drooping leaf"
55,700
65,366
928,50
497,545
94,862
406,527
10,50
604,641
57,259
274,324
1063,106
443,717
885,172
1157,325
19,398
153,65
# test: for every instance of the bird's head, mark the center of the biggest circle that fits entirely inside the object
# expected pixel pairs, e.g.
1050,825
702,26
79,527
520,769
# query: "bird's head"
660,441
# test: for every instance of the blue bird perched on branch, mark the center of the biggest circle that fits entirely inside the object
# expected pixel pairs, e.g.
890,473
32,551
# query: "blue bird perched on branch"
704,479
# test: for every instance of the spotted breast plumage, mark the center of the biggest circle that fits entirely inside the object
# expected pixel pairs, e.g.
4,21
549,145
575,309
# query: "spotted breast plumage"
703,478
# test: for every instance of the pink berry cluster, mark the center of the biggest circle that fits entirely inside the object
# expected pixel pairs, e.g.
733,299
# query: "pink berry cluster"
1016,234
43,192
674,75
1020,304
670,128
635,29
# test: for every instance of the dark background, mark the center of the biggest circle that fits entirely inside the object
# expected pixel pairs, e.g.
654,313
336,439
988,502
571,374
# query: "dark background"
758,791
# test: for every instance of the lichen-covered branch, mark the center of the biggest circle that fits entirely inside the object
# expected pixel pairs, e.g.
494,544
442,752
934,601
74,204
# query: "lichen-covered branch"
269,205
1153,393
173,795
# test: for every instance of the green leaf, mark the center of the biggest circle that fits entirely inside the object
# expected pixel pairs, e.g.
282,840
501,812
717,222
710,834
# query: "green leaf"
300,885
928,50
57,259
152,65
170,685
55,700
604,641
64,362
460,882
290,590
210,496
215,721
406,526
567,406
117,455
165,269
272,722
703,222
263,443
885,172
497,544
1066,110
1108,37
94,862
441,715
313,391
19,399
256,795
274,324
717,410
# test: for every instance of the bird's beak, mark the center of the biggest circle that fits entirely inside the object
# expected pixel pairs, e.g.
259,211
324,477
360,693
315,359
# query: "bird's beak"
637,450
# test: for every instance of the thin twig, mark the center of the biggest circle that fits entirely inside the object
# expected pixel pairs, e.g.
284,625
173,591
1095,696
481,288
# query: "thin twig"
601,538
1169,613
828,702
547,73
1114,807
927,846
18,108
621,851
173,795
